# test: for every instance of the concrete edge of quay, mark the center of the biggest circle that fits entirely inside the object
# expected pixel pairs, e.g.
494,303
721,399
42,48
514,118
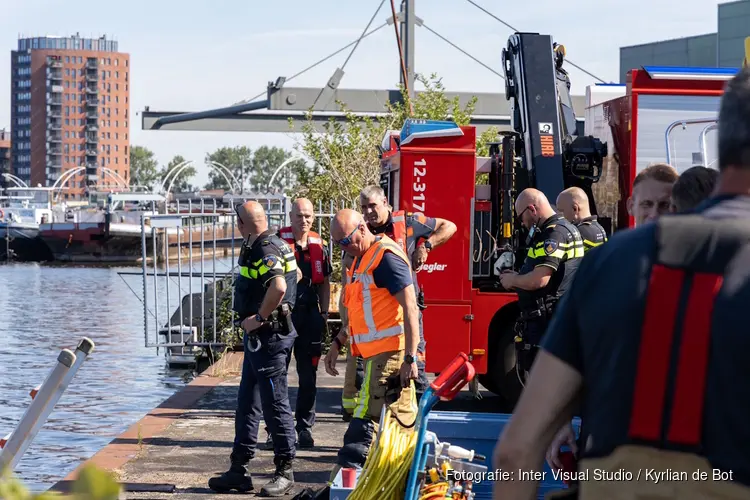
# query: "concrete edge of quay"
124,447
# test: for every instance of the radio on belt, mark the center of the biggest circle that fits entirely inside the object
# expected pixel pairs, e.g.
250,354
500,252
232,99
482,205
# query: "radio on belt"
428,167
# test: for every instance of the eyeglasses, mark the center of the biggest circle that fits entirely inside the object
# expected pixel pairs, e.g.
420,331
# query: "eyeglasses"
237,211
519,217
346,241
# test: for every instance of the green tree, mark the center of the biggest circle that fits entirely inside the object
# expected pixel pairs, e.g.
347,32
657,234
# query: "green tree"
266,160
143,167
182,184
346,157
238,160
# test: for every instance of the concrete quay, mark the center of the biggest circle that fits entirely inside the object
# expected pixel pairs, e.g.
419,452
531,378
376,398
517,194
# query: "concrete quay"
173,451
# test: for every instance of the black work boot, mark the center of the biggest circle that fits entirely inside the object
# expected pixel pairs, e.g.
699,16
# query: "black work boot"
236,478
305,439
282,481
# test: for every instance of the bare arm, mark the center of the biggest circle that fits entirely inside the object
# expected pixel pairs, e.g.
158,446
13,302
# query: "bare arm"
408,300
324,295
273,297
546,403
536,279
444,230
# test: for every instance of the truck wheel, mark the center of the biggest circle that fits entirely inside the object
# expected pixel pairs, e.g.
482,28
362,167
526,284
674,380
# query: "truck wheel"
501,377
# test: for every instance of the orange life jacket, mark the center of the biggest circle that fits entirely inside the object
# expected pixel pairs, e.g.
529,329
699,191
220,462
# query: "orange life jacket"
315,249
376,319
399,233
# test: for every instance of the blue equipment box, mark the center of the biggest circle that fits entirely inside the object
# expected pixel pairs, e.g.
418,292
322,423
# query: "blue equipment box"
480,432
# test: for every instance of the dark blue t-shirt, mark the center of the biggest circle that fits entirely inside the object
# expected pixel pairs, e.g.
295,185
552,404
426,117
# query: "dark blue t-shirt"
596,330
392,273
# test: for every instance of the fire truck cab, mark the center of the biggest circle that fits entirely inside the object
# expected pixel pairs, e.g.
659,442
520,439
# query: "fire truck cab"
431,167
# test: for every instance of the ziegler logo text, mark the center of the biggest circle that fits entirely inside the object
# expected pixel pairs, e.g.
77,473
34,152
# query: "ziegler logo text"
432,267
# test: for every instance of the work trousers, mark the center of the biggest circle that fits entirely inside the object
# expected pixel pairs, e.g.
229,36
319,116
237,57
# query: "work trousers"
263,389
531,331
310,326
354,375
381,386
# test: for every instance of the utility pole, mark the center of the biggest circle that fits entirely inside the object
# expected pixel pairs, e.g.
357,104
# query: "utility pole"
408,29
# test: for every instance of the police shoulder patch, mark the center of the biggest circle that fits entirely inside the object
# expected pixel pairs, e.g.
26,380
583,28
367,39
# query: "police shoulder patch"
550,246
270,261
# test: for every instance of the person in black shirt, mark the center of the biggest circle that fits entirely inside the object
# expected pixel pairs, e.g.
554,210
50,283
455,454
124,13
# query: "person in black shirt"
265,294
573,203
555,248
661,371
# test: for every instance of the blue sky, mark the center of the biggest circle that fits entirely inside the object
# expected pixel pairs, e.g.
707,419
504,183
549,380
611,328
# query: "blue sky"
190,55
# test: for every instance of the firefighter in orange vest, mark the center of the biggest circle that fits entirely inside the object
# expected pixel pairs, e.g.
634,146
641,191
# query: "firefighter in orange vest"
310,314
383,321
417,235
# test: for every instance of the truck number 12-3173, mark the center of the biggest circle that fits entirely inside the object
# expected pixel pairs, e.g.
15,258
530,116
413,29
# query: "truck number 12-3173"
418,200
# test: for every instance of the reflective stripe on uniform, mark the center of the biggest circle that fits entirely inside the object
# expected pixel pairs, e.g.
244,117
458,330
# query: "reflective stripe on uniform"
564,250
349,403
361,409
258,268
587,245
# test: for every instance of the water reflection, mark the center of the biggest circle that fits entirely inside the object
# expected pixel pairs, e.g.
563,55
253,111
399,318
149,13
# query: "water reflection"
46,308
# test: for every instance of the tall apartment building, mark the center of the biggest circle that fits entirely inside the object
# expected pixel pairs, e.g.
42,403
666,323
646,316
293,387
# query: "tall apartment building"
70,109
4,156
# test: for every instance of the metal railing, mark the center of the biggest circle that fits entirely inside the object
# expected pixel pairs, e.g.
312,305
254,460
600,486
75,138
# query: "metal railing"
44,399
191,253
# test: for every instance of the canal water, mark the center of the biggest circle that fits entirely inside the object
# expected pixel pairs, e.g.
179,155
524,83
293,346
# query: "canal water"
44,309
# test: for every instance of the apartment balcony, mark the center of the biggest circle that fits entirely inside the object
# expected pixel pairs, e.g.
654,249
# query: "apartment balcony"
91,89
55,89
92,139
53,176
54,164
92,127
54,124
92,76
54,100
54,151
55,63
92,63
91,152
92,102
92,114
54,74
54,113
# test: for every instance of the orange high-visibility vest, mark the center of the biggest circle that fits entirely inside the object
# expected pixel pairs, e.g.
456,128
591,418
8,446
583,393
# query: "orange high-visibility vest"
376,319
315,249
399,229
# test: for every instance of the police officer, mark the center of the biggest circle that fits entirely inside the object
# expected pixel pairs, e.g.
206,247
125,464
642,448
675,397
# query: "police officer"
265,293
310,310
573,203
555,249
661,369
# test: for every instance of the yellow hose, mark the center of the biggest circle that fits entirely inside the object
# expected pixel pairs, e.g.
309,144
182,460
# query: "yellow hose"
387,466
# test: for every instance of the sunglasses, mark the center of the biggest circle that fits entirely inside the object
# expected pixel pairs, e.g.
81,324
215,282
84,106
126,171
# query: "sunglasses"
346,241
519,217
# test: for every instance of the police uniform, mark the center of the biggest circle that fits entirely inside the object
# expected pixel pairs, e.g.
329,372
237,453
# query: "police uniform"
664,361
592,232
315,265
263,388
556,244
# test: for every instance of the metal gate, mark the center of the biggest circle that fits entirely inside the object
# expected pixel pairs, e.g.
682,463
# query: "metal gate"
189,265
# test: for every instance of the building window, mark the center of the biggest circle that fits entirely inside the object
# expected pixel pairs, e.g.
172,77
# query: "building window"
67,122
67,59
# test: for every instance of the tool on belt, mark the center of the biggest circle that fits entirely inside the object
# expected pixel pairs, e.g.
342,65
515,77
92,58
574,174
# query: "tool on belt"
420,300
280,316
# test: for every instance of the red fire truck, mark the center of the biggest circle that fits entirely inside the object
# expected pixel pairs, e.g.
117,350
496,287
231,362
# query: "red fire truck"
663,114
